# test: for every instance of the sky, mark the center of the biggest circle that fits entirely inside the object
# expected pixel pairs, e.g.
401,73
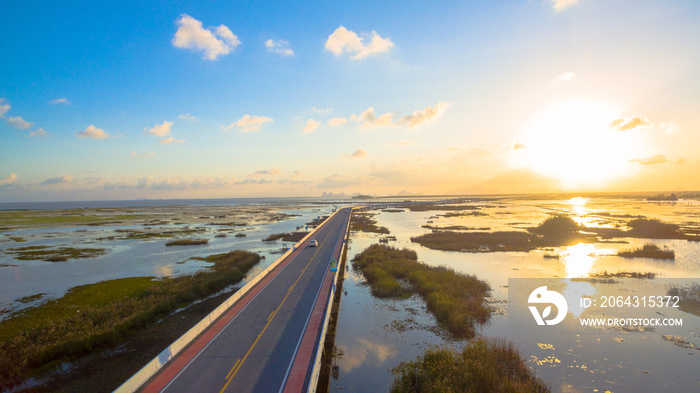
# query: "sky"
107,100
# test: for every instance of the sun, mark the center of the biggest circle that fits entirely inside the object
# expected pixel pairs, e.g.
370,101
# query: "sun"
573,142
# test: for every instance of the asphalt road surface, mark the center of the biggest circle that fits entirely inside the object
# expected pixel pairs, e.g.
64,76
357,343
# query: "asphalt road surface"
254,352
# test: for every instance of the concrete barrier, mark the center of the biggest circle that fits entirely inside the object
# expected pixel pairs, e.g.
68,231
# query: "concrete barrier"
152,368
316,370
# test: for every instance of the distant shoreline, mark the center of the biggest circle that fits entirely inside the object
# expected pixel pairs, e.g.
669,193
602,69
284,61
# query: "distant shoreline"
124,203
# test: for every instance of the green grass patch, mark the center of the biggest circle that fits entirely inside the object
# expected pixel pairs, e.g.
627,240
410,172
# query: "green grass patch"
365,223
187,242
456,299
17,239
481,366
649,250
91,317
48,254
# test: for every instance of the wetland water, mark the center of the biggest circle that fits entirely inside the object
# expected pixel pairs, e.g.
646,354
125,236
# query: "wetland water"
132,246
375,335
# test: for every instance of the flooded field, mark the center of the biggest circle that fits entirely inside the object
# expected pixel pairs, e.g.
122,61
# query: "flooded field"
44,253
375,335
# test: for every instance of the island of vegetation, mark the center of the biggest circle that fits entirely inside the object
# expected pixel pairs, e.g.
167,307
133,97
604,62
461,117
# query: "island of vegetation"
287,237
187,242
649,250
457,300
60,254
365,223
481,366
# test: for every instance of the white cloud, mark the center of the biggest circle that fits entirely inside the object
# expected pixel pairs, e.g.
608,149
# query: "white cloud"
94,133
170,184
562,4
311,126
191,35
281,47
657,159
187,116
518,146
453,148
625,124
565,77
18,122
9,179
39,132
171,140
407,143
4,107
670,127
271,171
347,41
368,119
429,113
60,101
359,153
57,180
321,110
160,130
248,123
337,121
294,182
254,181
134,154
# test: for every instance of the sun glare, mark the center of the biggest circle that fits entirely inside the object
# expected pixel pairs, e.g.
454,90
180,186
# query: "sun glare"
574,143
578,201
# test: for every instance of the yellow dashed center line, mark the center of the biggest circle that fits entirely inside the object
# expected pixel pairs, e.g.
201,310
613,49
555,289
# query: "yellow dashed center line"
239,363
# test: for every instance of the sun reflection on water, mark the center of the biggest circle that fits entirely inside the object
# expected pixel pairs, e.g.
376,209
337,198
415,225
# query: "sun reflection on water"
578,260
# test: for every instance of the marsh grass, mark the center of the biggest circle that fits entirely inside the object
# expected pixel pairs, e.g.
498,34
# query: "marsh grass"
365,223
481,366
424,207
649,250
91,317
187,242
605,274
48,254
647,228
555,231
689,297
50,218
476,241
456,299
287,237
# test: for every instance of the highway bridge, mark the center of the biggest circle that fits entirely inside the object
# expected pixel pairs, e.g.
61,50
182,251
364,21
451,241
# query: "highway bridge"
268,339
